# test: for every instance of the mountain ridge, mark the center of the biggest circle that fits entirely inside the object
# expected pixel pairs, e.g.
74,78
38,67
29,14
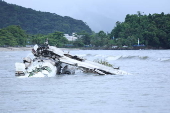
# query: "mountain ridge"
38,22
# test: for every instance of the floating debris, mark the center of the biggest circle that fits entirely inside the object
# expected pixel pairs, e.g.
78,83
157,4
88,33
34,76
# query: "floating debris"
50,61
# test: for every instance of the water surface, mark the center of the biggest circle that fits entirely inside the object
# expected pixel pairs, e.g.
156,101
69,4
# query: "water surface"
146,90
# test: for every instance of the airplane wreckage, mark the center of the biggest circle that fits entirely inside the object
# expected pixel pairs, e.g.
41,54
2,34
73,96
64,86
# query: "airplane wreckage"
49,61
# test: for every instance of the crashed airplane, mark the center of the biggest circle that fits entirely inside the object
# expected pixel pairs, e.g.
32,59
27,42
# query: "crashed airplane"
50,61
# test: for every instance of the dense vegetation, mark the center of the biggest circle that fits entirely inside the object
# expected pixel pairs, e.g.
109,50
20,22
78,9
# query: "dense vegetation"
37,22
152,30
21,26
55,39
15,36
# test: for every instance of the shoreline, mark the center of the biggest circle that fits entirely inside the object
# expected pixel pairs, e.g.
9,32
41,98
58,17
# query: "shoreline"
64,49
28,49
15,48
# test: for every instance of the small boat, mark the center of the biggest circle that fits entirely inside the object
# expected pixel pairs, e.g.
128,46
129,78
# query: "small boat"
50,61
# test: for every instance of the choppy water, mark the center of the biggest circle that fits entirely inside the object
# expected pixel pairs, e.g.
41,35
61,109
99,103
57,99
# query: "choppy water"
146,90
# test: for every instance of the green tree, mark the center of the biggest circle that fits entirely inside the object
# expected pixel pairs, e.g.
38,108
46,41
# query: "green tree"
13,36
152,30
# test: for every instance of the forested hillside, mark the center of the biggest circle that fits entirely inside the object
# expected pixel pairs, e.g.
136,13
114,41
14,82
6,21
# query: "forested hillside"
22,26
152,30
37,22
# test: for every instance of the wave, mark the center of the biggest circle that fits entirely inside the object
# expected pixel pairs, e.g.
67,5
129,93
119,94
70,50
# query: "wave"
84,55
126,57
143,57
164,59
123,57
113,57
81,55
110,57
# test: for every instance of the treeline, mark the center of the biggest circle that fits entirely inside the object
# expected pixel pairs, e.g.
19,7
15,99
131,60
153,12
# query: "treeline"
37,22
152,30
15,36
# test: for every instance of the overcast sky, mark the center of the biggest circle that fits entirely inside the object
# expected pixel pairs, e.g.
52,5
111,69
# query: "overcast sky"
98,14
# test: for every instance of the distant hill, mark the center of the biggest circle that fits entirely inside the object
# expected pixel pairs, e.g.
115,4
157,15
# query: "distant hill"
37,22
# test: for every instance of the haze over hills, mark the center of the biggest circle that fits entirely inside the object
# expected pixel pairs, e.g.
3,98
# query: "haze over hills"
37,22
